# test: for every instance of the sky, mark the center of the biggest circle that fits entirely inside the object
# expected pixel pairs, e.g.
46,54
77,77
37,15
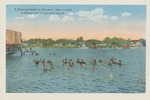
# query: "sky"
73,21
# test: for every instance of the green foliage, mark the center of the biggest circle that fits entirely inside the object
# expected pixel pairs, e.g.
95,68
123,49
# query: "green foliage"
107,40
118,41
65,41
43,42
79,41
92,41
143,41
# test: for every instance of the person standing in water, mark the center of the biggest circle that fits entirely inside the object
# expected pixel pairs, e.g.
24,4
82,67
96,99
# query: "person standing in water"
94,64
36,61
119,63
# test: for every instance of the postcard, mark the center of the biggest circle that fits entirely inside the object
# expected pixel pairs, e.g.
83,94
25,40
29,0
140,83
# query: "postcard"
91,50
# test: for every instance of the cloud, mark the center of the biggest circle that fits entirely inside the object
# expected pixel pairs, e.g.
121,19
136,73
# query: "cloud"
68,19
126,14
20,18
71,14
97,11
114,18
96,15
83,13
32,16
54,18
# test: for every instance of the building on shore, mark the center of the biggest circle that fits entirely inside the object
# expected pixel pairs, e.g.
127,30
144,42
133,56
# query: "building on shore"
13,41
136,43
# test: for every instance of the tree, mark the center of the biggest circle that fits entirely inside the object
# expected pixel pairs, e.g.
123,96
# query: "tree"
50,42
80,39
129,41
118,41
63,41
92,41
107,40
143,41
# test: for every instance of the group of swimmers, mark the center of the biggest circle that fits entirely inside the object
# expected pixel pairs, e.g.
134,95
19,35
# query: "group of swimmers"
52,53
113,60
47,65
70,63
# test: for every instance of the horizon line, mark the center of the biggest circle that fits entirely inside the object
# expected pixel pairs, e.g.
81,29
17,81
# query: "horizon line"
86,39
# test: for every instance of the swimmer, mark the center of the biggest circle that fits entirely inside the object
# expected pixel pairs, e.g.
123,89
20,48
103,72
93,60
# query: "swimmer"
72,63
100,60
49,61
51,67
119,63
36,61
64,62
37,54
110,62
45,68
94,64
82,63
78,61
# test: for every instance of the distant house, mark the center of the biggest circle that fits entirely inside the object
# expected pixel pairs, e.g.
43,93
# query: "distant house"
57,44
136,43
126,46
40,44
72,44
102,44
93,46
113,45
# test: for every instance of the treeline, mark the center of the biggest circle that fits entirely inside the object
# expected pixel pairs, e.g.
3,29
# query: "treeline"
80,41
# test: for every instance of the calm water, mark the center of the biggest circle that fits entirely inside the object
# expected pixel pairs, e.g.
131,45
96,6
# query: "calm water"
23,76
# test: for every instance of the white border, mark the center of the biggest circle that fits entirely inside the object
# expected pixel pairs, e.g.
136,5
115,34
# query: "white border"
70,96
77,2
